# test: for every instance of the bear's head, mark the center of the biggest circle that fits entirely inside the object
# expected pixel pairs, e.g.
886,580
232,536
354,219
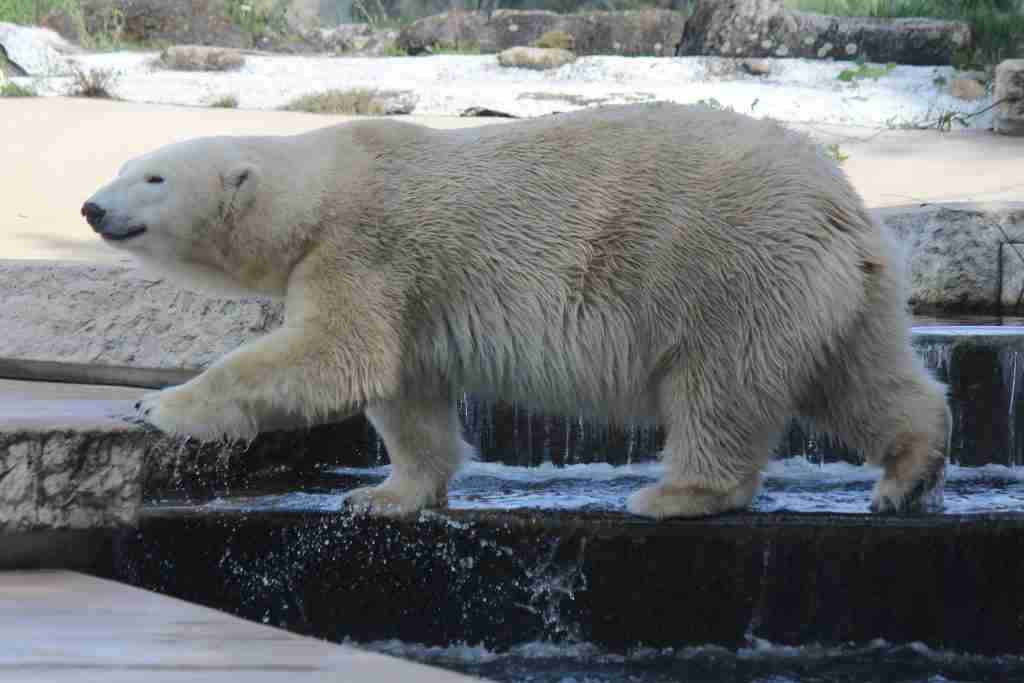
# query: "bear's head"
176,210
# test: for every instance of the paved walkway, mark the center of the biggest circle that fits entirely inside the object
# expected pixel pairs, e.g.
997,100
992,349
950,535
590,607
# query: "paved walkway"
59,151
58,626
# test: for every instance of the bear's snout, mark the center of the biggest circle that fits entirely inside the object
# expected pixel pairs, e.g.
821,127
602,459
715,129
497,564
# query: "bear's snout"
94,214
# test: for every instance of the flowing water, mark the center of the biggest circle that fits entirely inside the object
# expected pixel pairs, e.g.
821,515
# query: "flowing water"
571,471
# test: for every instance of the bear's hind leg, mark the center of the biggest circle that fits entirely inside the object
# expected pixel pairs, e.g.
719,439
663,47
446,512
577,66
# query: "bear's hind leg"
424,441
886,406
876,395
712,462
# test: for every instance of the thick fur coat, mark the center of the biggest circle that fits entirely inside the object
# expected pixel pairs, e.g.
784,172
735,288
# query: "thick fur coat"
693,268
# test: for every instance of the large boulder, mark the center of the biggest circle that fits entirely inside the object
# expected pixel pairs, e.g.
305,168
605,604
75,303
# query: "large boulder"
643,32
767,28
451,28
963,258
197,22
31,51
1009,93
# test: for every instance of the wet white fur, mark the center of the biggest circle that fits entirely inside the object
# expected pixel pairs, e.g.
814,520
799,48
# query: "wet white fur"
676,265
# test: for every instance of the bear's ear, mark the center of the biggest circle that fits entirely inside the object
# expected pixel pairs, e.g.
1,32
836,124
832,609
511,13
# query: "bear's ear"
240,184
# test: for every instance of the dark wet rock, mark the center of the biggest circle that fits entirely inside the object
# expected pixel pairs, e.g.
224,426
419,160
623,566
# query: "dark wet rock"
767,28
1009,90
756,67
642,32
484,112
501,579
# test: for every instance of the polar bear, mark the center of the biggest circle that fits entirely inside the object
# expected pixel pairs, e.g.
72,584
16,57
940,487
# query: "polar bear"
667,264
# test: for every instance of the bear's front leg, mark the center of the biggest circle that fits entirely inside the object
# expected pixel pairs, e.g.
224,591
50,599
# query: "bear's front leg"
424,442
291,377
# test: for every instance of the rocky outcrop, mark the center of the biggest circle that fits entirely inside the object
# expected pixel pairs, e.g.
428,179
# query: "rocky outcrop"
644,32
198,22
767,28
358,39
31,51
1009,92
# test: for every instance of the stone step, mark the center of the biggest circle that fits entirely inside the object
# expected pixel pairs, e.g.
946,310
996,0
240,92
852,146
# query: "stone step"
982,364
523,554
502,578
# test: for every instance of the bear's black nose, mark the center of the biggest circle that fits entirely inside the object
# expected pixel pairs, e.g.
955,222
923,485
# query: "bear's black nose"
93,214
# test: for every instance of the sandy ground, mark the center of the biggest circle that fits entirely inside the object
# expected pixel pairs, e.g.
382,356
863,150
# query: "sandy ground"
57,151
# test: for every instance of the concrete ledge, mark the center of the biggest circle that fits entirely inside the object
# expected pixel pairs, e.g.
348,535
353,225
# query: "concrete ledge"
115,315
65,627
80,463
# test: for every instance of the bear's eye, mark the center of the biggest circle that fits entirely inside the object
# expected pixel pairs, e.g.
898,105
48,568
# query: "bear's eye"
154,179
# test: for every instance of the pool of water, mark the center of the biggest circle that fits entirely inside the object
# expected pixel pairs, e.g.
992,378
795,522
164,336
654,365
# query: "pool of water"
759,662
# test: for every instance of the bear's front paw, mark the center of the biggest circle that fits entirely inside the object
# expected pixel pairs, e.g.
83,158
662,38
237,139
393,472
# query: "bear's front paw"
393,500
185,411
665,499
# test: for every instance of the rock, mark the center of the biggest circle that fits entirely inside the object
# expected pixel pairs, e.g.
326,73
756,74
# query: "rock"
555,40
31,51
201,58
1009,90
116,315
643,32
966,89
68,472
80,464
651,32
756,67
349,39
192,22
767,28
956,263
535,58
7,67
484,112
456,27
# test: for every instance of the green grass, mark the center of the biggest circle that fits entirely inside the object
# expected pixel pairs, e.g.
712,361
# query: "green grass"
225,102
864,72
12,89
351,102
455,48
31,11
998,24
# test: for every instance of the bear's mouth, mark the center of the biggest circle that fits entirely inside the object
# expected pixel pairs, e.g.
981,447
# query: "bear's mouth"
121,237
